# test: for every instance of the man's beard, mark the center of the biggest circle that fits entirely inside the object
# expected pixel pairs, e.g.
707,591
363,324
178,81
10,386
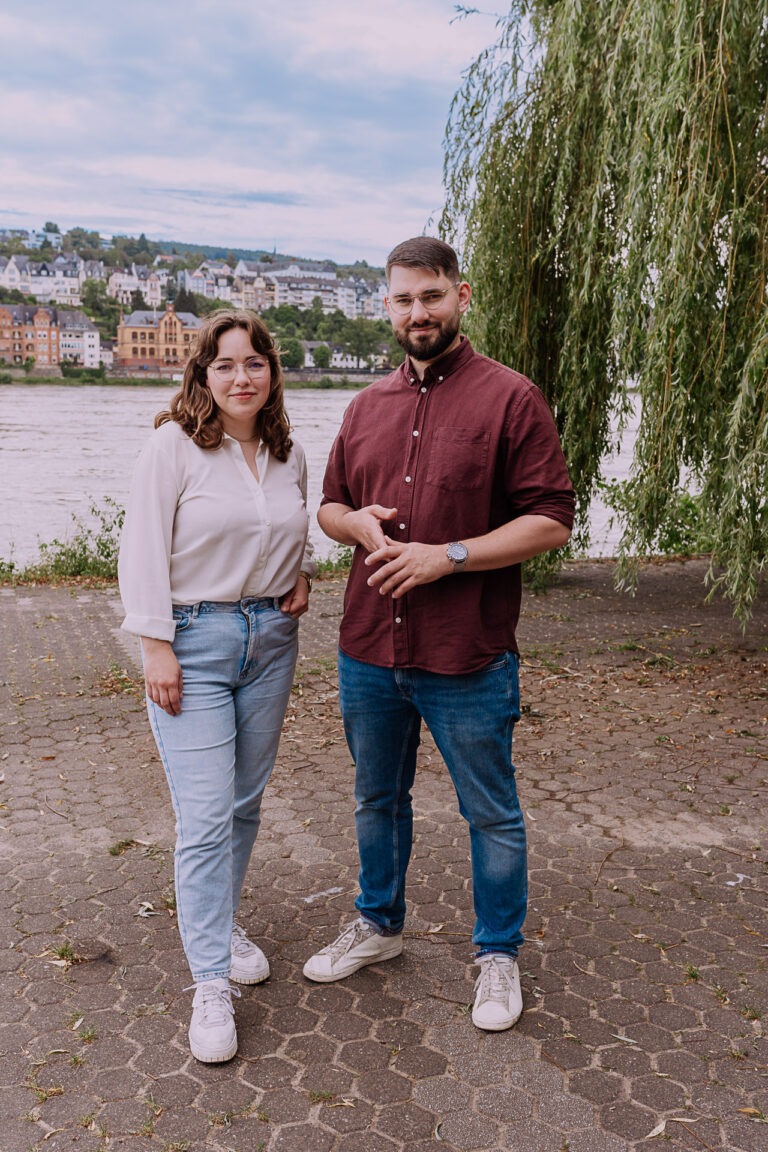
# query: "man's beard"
429,348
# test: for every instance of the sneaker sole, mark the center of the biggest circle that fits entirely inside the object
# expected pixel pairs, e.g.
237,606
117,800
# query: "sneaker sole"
208,1057
501,1027
239,978
331,977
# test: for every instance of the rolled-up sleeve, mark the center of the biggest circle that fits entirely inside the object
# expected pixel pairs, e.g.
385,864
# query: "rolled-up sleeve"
536,474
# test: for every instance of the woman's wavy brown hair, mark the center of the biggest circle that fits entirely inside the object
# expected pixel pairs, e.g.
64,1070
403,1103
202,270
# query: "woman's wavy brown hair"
193,406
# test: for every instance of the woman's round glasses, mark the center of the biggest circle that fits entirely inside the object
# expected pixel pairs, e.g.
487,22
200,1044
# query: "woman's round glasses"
226,370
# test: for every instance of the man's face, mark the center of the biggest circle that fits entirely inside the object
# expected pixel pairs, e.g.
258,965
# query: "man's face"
430,329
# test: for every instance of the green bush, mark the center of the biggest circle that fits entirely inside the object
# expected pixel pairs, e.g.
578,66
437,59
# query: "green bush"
338,563
684,530
90,553
76,372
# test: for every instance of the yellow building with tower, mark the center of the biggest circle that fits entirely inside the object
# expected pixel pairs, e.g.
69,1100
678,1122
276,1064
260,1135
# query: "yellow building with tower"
155,339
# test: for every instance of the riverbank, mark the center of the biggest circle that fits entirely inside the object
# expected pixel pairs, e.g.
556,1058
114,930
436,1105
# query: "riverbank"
351,381
642,757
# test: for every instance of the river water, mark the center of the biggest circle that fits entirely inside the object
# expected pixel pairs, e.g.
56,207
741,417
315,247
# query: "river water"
64,448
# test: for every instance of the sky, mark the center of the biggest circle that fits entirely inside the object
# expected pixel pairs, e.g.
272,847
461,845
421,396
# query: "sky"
312,128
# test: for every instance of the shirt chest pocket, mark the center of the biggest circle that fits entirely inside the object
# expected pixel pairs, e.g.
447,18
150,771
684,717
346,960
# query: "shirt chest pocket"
458,458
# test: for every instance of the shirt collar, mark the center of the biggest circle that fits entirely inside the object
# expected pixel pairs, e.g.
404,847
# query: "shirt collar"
444,366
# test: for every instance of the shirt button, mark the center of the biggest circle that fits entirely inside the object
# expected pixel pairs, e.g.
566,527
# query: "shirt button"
415,432
402,527
423,389
407,479
439,379
398,619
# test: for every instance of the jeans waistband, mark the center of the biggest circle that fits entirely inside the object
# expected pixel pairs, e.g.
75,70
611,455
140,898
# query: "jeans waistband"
248,604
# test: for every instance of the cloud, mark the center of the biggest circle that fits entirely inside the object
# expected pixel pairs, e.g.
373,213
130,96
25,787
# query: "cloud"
315,127
233,199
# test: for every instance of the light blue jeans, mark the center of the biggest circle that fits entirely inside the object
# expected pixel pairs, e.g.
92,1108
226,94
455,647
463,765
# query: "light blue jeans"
237,662
471,718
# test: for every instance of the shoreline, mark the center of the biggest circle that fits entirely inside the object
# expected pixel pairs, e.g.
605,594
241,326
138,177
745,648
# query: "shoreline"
324,383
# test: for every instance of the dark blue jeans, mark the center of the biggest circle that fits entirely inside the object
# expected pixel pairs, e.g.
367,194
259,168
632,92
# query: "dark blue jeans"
471,718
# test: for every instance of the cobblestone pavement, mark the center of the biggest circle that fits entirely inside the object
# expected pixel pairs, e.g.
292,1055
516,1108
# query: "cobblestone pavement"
642,761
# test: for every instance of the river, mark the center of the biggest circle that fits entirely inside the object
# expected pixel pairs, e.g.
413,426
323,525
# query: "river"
64,448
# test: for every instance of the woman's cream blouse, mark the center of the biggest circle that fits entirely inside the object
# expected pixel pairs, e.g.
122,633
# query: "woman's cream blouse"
200,526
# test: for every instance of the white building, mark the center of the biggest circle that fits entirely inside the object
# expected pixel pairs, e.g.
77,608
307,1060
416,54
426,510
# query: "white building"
79,339
151,282
212,279
56,281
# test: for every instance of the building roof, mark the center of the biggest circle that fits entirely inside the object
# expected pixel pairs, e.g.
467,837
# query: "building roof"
26,313
75,321
145,319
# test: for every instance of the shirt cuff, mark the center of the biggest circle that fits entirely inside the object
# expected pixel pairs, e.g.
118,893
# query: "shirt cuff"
154,627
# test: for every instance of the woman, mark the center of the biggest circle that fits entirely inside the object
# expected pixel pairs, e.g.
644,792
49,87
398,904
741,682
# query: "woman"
214,572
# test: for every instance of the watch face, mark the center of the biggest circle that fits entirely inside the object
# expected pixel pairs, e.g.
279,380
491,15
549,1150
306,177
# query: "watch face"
458,553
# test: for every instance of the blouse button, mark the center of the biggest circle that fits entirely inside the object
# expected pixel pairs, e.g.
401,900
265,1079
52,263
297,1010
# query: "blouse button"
402,527
398,619
407,479
415,432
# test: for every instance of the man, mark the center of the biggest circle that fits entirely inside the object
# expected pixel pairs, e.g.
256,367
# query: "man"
445,476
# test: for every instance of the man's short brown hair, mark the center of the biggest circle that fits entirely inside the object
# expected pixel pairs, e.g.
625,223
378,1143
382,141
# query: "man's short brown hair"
425,252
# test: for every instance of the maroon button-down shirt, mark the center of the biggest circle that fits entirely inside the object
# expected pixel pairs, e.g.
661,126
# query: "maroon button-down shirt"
468,448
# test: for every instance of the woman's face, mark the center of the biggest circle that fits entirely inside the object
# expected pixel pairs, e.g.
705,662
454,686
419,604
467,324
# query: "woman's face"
239,379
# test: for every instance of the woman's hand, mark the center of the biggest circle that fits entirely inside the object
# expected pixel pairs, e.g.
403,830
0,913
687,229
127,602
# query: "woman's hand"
296,602
162,674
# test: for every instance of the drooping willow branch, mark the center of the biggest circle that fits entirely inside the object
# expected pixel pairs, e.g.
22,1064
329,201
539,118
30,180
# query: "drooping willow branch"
606,170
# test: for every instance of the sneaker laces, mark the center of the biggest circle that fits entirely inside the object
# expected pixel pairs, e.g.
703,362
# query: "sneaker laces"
241,945
494,982
213,1001
348,939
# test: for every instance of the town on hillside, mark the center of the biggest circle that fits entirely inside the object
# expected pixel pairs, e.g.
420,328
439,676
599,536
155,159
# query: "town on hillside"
125,306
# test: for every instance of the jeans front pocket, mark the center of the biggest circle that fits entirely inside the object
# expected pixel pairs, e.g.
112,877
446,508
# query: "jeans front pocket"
182,618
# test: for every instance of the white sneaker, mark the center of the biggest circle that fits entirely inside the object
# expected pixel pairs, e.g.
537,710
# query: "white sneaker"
359,944
249,964
212,1035
498,1000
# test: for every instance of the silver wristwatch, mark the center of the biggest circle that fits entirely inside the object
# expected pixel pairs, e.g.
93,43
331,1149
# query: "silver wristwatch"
458,554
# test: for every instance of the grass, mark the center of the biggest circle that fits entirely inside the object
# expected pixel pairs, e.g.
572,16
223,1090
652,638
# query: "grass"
337,564
121,846
119,680
63,952
90,553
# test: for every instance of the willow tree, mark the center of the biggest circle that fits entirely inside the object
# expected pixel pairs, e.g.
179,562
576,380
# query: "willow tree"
606,174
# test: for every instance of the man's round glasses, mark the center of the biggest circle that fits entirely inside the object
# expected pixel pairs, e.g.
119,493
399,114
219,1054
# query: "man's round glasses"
227,370
433,298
